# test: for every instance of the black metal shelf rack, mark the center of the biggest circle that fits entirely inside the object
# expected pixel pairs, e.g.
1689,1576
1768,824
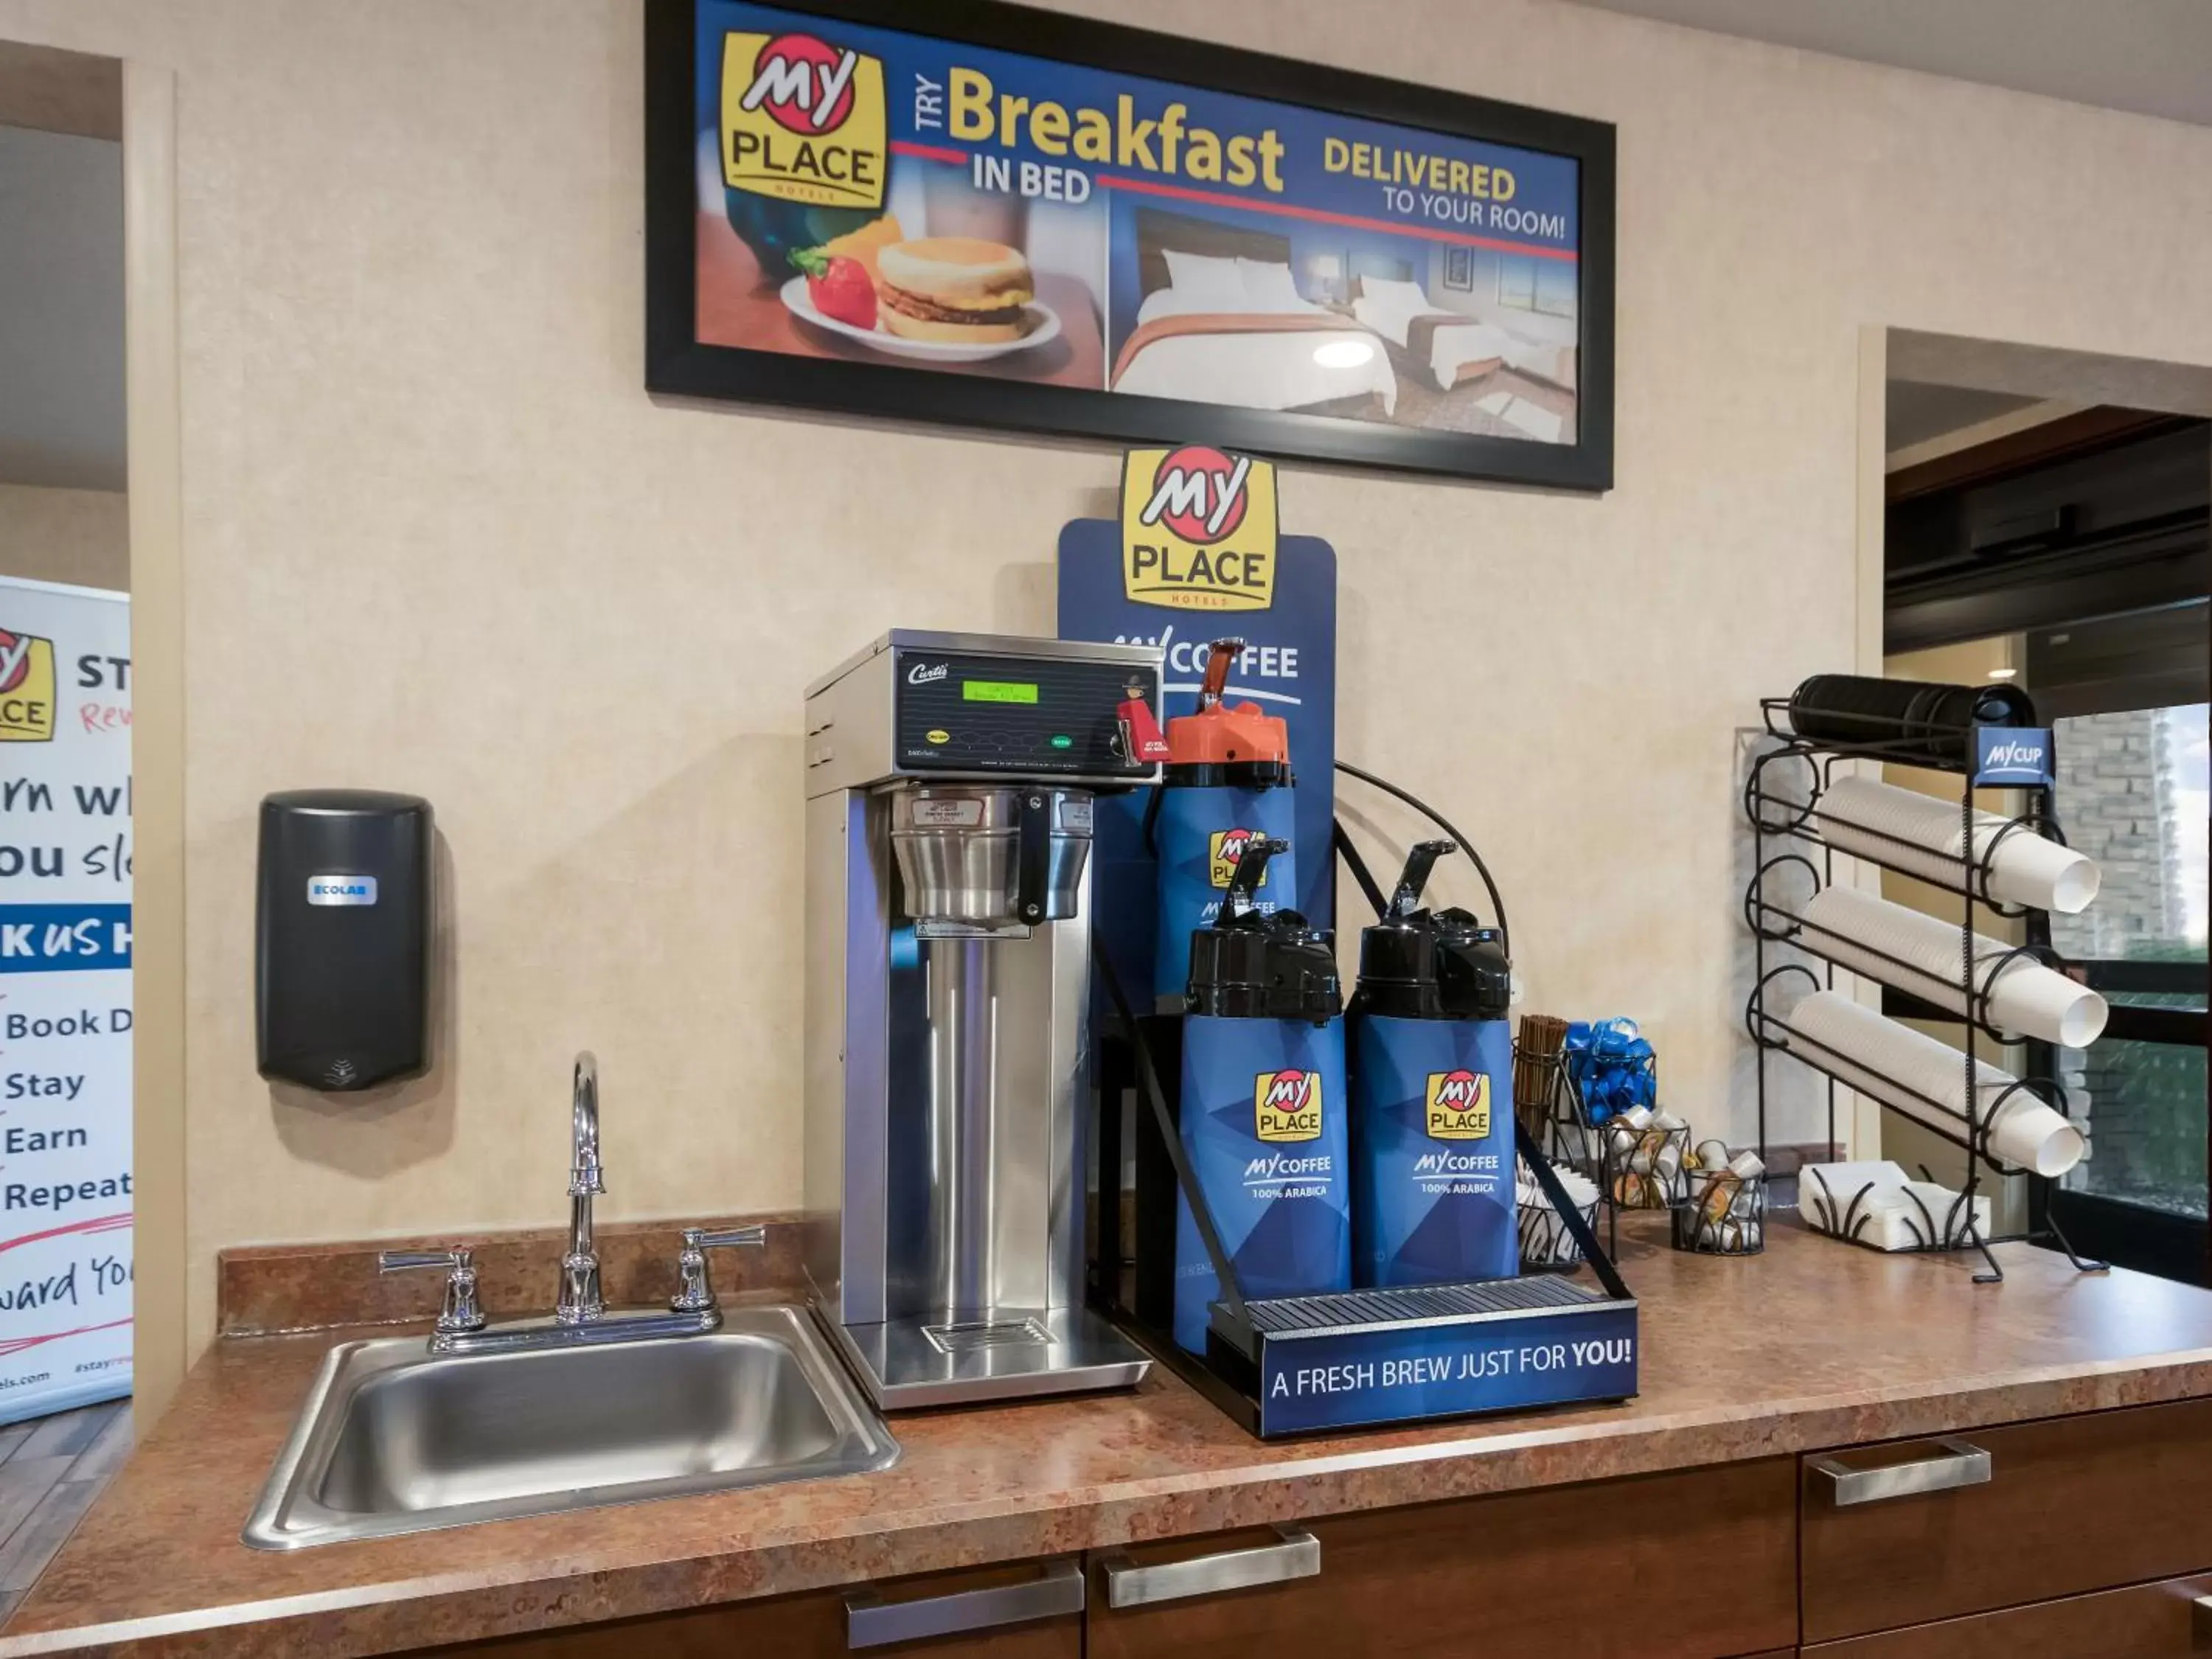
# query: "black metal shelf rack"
1788,818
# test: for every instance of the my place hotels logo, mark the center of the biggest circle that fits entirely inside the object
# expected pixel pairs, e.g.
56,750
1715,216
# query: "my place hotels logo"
1198,529
804,120
27,688
1225,851
1286,1105
1458,1105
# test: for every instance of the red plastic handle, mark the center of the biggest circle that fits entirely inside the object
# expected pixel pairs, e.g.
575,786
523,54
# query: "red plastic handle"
1221,656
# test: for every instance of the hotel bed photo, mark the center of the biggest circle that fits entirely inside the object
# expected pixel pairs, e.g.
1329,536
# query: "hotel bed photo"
1309,317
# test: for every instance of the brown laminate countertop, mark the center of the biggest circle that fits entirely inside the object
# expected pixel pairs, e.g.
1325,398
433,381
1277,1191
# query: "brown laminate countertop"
1814,1344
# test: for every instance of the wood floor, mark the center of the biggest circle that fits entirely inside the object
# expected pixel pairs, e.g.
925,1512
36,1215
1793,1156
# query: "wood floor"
51,1469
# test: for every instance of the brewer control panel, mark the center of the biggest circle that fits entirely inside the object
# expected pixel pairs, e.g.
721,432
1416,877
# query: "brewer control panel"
964,712
977,705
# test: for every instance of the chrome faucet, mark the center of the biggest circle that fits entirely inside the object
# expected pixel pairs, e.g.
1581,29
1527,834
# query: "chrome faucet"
579,1315
579,1300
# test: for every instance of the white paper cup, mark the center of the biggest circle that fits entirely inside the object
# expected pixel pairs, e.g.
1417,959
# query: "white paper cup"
1884,1060
2029,996
1857,815
1920,953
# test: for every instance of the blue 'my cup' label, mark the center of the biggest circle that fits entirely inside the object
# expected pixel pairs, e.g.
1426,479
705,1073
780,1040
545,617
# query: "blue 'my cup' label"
2012,756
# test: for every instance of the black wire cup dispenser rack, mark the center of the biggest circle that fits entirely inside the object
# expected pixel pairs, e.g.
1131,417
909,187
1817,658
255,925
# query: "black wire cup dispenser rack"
1317,1364
1785,793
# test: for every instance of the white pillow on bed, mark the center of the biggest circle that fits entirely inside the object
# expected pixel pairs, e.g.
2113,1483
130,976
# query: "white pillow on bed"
1270,287
1395,294
1214,282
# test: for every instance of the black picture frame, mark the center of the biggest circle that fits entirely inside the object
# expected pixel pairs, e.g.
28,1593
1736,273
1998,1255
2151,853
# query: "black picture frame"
676,364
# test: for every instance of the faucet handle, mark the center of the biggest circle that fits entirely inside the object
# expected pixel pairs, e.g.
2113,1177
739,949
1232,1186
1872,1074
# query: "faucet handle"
695,1291
460,1312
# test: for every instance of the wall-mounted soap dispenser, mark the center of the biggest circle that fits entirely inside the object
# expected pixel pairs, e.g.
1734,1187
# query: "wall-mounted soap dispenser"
342,938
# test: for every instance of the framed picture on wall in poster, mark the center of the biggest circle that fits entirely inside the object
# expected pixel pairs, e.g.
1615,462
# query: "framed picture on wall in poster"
979,213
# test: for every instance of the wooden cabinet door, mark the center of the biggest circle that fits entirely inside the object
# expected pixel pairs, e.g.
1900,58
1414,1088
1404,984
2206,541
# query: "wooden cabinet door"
1599,1571
819,1624
2150,1621
2065,1505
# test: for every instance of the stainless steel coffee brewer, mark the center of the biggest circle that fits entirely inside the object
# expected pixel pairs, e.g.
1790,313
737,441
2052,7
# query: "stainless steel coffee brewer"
950,780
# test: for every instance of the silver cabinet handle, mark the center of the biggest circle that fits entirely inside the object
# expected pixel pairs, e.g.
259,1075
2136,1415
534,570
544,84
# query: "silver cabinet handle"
1962,1465
1128,1585
873,1622
2200,1622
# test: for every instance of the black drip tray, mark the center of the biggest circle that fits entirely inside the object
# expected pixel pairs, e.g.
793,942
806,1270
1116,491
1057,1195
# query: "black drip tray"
1416,1305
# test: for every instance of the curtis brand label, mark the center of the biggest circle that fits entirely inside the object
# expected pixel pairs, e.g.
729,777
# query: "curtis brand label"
27,689
1224,849
804,120
1286,1105
1198,529
1458,1105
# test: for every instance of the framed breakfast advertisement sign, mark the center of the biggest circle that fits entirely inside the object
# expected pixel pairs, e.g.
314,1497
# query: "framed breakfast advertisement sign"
977,212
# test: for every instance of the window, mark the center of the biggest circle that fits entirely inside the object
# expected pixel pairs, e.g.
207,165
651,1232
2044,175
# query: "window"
1539,285
2134,794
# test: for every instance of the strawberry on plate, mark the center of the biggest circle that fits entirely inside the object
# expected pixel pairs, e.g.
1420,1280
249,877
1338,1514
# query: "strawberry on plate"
838,287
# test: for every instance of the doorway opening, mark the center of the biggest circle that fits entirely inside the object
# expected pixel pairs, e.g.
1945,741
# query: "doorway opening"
67,1009
2041,530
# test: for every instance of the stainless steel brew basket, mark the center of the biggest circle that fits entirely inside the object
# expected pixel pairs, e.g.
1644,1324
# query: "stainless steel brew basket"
959,850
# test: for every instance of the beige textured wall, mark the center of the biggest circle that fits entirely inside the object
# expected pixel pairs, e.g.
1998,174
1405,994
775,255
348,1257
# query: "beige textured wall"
80,536
437,539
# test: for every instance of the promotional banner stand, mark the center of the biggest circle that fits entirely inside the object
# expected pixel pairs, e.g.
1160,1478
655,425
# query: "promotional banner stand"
66,1007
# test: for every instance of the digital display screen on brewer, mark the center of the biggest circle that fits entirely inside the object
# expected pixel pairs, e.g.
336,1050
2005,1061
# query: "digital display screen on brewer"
996,691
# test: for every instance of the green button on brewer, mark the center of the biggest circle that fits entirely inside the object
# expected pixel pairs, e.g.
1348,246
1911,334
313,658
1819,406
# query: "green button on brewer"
1063,742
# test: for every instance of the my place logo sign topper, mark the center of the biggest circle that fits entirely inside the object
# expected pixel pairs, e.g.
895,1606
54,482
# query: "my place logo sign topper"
27,688
804,120
1198,529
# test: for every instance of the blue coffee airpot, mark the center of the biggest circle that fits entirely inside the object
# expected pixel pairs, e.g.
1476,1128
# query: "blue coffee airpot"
1226,786
1432,1159
1263,1104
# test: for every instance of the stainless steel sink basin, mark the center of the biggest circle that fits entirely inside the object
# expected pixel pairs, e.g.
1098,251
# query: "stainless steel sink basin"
394,1439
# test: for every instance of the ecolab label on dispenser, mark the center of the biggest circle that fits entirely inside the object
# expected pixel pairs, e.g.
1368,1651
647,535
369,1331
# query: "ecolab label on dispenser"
341,890
1395,1374
1198,529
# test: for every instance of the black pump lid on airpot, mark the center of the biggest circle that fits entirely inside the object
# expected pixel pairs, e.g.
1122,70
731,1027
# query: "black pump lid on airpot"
1251,965
1430,964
